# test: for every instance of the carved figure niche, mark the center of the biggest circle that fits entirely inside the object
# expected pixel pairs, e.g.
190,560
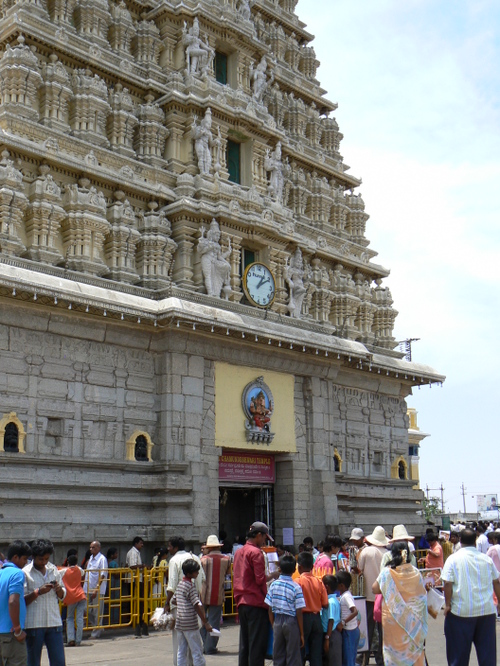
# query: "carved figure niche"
11,438
141,448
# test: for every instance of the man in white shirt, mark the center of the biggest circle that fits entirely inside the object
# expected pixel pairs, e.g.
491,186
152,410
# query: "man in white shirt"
482,540
470,614
43,589
177,549
134,561
95,587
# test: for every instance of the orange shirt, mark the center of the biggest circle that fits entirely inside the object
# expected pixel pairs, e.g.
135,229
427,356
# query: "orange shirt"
72,579
314,592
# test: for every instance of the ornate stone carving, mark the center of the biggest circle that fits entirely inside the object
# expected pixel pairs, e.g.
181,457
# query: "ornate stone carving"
146,45
121,242
258,80
19,81
92,20
61,11
278,171
55,95
43,219
122,29
214,262
243,8
204,141
89,107
199,53
356,217
151,133
13,203
297,277
84,228
121,121
155,248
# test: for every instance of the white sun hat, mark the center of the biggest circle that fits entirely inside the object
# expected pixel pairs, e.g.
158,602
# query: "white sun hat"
377,537
399,533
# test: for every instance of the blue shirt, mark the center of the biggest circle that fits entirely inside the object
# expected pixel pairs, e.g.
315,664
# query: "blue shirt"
331,613
11,582
285,596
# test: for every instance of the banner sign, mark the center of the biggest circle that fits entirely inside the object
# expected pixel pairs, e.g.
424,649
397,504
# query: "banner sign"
242,467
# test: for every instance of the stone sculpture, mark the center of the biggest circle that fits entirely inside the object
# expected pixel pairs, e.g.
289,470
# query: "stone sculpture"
243,9
203,142
297,278
214,262
278,171
258,80
199,53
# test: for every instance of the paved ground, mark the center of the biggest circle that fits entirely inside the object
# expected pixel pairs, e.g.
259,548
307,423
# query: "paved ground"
120,648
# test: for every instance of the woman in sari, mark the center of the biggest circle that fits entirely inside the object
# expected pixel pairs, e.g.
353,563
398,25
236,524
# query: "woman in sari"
404,610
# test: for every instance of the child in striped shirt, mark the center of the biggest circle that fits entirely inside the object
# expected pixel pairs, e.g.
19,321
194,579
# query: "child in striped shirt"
286,601
189,607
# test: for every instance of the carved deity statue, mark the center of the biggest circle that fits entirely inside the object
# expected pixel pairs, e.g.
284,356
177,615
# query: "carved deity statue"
203,142
278,171
297,279
258,80
243,9
214,262
199,53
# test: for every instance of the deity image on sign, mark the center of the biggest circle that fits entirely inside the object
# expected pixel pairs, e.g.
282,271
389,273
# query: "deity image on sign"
215,266
258,406
199,53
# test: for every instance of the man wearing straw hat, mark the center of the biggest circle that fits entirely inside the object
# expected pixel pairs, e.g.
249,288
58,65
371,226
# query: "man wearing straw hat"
369,560
399,533
215,565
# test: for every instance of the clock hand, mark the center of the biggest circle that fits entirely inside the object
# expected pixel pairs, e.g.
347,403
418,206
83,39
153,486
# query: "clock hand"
262,281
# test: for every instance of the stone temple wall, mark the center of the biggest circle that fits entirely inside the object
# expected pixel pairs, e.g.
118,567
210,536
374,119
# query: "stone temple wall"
149,152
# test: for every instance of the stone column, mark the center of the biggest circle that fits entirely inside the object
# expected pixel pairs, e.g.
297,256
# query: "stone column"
184,235
235,260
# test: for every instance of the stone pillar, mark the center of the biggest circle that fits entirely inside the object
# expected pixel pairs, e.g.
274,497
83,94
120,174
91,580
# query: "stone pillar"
235,260
184,234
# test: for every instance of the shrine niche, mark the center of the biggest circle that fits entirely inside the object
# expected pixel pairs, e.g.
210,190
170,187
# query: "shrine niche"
399,469
139,447
12,434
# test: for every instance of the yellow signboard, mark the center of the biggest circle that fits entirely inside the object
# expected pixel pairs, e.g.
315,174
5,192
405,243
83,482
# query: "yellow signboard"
268,422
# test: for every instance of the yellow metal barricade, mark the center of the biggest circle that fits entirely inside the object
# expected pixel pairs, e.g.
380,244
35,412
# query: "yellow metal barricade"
134,593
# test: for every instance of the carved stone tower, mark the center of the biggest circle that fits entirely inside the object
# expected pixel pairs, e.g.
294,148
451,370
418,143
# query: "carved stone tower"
151,152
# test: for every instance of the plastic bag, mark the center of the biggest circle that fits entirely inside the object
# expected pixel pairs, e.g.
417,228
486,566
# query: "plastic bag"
161,620
435,601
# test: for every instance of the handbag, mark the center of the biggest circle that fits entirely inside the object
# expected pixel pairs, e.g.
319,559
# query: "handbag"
377,608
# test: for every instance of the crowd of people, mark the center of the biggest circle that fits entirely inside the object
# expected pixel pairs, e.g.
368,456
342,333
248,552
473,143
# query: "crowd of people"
303,605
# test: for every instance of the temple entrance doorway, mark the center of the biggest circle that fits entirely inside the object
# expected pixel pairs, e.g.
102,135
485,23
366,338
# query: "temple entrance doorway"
239,507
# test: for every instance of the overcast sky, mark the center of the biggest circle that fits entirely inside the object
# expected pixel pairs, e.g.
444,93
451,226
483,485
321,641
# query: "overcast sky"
418,88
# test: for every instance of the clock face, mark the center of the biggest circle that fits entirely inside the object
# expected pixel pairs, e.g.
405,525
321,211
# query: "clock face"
259,285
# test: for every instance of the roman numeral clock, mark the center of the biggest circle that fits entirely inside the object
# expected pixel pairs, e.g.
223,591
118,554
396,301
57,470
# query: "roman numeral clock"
259,285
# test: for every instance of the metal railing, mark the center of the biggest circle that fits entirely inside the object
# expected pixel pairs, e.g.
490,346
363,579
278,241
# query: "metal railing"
132,594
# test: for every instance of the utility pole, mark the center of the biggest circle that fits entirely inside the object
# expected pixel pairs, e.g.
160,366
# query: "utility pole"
463,489
442,498
427,491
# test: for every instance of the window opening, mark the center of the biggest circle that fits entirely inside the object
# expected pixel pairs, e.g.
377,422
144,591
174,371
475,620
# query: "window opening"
233,161
221,67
